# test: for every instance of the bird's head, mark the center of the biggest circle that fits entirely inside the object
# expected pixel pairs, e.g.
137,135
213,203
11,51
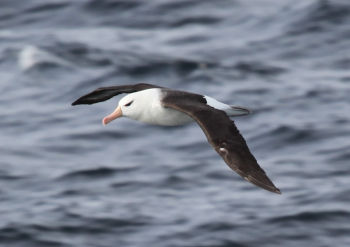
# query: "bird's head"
127,107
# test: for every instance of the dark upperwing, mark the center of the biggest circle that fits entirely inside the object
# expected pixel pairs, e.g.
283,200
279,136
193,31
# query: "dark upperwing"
222,134
105,93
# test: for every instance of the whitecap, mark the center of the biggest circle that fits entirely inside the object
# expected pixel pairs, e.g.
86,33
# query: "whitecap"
31,56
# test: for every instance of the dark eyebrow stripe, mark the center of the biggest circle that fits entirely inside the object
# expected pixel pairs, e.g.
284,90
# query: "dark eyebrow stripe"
129,103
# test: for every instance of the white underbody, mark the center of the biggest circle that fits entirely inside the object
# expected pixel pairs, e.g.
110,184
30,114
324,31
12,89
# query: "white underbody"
154,113
147,108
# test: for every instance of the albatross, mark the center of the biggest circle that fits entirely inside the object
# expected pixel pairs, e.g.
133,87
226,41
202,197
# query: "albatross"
157,105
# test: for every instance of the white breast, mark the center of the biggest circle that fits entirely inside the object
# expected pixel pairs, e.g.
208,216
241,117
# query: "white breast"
154,113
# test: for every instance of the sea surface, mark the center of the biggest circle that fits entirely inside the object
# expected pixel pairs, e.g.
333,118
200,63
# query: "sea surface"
68,181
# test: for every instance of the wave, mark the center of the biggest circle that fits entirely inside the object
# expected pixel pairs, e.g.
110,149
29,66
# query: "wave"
99,172
321,15
286,134
31,57
305,217
261,69
162,66
46,7
111,6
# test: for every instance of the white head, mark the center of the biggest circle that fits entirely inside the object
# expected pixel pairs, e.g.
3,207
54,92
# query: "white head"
129,106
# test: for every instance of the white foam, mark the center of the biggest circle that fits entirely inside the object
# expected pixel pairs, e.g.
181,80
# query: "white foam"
31,55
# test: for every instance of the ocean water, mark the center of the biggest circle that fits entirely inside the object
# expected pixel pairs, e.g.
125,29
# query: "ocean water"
66,180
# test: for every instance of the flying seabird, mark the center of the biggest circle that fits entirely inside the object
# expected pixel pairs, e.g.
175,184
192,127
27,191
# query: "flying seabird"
163,106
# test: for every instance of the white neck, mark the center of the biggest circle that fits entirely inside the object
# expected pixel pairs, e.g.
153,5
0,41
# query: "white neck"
147,108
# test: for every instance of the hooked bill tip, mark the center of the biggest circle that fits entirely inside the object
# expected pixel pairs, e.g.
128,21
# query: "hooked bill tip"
105,121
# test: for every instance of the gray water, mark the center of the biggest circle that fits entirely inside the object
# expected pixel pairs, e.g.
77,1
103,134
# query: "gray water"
66,180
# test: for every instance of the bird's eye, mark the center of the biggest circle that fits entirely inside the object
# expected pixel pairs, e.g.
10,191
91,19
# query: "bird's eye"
128,104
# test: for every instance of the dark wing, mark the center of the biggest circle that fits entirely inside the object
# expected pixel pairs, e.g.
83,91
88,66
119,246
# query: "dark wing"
223,135
105,93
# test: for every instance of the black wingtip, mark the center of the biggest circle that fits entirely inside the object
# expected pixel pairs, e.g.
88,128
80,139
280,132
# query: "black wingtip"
87,100
77,102
264,183
269,186
277,191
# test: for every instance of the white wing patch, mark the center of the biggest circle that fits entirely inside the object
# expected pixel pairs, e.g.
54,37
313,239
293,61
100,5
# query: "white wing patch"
230,110
216,104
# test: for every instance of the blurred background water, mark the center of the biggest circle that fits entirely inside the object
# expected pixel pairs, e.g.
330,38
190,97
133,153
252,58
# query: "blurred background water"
68,181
